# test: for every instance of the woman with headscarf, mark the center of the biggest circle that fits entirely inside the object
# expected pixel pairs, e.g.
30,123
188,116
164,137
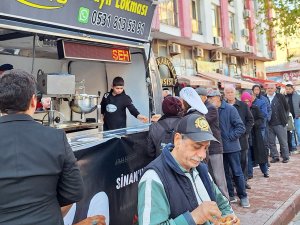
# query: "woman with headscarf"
161,132
257,152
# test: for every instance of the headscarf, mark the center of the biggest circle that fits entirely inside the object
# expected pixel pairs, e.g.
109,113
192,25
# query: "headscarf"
247,96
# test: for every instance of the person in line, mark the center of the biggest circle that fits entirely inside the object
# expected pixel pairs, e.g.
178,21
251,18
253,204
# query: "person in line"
293,98
257,152
176,187
161,132
166,92
114,104
291,133
232,128
5,67
247,118
39,173
192,102
277,124
264,105
215,150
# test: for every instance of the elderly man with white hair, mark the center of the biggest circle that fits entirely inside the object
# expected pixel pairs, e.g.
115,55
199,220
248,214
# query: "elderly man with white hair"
247,118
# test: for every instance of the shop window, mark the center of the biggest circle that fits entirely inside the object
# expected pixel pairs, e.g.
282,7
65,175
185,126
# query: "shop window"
168,12
195,13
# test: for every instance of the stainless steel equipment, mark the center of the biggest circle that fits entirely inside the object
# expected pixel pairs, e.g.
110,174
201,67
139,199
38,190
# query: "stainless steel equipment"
84,103
63,87
56,83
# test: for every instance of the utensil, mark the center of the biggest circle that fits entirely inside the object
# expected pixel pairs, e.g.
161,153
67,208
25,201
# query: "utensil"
84,103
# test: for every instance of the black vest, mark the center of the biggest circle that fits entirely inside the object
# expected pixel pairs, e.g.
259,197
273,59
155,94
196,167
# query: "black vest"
177,185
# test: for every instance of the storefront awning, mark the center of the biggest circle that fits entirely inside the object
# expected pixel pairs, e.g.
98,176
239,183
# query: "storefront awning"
225,80
195,81
263,81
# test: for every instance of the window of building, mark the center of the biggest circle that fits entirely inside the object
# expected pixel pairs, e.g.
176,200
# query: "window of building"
168,12
183,63
231,27
216,23
196,19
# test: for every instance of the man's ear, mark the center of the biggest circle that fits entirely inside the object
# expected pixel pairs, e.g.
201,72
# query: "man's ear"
177,139
33,102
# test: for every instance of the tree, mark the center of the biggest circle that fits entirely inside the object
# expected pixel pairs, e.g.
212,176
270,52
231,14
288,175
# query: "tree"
282,17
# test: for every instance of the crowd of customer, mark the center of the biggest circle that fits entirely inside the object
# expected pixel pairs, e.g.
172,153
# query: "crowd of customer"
244,129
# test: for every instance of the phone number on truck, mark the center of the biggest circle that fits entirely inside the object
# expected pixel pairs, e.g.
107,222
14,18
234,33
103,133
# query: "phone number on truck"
102,19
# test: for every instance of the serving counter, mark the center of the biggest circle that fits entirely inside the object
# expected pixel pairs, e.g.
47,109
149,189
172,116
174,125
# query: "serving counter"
111,164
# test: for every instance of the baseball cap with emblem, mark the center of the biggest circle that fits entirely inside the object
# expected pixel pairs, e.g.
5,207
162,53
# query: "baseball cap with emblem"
189,95
195,127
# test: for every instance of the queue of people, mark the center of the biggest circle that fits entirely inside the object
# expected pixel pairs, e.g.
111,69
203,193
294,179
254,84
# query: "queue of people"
238,134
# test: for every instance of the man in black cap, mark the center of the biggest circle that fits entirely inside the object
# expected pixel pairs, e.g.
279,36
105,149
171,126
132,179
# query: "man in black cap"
5,67
176,187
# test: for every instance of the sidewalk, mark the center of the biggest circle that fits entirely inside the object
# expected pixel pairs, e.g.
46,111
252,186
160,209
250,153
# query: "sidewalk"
274,200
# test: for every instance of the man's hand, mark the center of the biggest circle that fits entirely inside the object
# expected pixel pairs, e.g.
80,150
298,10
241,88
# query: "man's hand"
207,211
155,117
143,118
99,220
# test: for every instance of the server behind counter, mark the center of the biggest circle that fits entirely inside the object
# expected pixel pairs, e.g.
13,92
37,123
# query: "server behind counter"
114,104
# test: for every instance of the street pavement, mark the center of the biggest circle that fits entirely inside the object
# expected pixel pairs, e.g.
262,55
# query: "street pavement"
274,200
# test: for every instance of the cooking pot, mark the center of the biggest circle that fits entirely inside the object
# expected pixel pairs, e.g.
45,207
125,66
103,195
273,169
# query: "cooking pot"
84,103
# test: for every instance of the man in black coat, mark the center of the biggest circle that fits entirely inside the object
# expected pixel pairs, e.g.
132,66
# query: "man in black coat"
277,124
215,150
114,104
38,169
247,118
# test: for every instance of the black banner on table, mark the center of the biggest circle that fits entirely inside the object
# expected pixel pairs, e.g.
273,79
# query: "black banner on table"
111,172
120,18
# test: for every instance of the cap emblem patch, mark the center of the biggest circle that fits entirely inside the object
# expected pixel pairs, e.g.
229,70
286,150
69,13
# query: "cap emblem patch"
202,124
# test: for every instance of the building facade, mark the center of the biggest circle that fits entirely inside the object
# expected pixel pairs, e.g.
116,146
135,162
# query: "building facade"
211,36
286,67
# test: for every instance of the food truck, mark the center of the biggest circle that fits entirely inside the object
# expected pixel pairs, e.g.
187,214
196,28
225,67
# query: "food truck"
75,49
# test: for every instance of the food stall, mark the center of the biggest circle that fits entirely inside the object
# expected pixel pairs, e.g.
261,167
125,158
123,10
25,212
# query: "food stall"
75,49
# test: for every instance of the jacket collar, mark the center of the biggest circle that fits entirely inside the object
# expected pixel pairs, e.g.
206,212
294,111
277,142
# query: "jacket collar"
237,102
15,117
166,153
223,104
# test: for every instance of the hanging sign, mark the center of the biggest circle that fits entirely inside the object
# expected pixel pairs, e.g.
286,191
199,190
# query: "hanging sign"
121,18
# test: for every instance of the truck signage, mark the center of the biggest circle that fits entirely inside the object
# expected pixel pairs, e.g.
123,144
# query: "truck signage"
129,19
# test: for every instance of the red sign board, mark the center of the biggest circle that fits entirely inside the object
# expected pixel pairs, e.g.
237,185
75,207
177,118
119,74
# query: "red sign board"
94,52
